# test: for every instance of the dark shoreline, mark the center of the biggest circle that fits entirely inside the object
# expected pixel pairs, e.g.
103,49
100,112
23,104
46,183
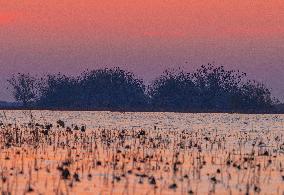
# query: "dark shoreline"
139,111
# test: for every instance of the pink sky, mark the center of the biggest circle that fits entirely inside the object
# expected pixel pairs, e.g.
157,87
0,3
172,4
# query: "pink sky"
143,36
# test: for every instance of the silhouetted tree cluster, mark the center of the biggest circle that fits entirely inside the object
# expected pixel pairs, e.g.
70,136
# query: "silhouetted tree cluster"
208,89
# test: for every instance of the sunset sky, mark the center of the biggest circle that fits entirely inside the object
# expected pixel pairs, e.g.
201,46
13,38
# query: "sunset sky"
143,36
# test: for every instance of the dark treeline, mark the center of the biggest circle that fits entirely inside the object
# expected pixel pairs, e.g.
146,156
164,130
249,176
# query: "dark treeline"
208,89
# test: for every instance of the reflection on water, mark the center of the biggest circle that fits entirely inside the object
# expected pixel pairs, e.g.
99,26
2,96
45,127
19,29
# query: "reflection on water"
166,121
147,153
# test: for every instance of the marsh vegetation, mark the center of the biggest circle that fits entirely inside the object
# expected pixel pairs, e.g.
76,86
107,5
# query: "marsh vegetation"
45,152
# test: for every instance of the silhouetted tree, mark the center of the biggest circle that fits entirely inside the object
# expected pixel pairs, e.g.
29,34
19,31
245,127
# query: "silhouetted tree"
217,87
112,89
59,91
23,88
173,91
254,96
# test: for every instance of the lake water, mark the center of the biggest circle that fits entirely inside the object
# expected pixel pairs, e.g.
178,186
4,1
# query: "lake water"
203,153
166,121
